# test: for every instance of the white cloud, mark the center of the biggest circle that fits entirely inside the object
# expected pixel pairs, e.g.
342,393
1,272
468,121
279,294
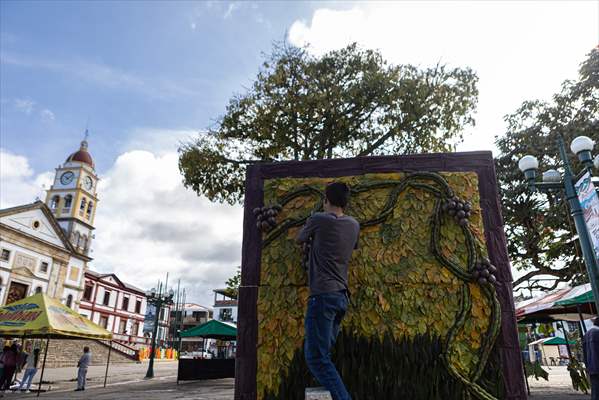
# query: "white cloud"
230,9
515,47
24,105
47,115
18,183
157,140
148,224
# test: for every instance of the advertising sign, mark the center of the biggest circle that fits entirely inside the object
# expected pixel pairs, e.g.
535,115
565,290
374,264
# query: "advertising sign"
150,317
589,201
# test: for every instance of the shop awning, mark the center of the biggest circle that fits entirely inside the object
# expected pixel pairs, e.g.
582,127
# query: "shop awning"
584,296
213,329
559,305
41,316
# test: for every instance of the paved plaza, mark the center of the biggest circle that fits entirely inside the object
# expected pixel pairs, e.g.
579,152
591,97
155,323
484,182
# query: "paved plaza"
126,381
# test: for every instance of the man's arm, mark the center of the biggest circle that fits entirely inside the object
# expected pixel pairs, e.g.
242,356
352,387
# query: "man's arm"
307,231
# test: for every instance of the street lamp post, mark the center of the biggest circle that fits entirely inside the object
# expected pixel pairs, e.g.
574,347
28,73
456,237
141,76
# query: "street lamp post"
582,146
158,300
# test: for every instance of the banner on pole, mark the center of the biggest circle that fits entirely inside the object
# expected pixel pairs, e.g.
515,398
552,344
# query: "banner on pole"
589,201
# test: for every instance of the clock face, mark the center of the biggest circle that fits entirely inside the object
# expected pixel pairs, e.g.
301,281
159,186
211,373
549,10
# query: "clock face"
88,183
67,178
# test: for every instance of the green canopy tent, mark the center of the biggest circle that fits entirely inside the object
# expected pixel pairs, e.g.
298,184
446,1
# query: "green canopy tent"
556,341
192,369
212,329
584,298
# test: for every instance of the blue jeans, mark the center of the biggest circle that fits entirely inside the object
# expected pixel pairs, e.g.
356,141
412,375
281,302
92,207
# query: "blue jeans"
27,378
323,317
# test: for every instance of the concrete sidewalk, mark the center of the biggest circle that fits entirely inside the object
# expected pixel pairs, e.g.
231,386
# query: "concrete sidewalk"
559,386
65,378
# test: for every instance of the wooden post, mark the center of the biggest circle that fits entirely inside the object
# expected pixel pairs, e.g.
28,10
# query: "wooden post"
107,363
39,388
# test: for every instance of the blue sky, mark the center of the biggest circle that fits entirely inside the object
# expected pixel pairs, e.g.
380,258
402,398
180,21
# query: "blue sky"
125,65
150,74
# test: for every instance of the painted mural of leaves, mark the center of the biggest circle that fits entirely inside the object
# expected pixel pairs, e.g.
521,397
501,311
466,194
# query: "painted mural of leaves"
399,289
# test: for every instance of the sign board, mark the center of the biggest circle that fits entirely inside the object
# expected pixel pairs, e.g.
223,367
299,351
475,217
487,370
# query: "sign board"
589,201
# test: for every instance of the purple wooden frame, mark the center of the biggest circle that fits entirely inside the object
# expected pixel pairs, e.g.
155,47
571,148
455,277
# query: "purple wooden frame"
480,162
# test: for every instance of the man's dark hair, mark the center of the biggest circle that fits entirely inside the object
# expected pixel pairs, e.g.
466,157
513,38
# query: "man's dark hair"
86,349
337,194
596,321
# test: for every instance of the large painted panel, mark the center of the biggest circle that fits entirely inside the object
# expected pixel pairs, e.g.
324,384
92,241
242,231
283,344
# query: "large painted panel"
427,295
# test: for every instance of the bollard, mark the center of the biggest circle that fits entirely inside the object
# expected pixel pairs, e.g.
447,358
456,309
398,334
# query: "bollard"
318,393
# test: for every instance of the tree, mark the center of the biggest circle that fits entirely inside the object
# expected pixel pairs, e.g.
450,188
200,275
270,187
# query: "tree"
539,229
348,102
233,284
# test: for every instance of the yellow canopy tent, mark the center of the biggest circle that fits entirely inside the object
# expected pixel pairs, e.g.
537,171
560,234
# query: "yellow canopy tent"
41,316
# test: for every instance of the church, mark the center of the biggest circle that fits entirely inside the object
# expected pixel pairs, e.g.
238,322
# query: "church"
45,246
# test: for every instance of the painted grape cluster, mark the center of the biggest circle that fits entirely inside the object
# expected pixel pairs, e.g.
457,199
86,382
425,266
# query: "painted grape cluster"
266,217
459,209
484,272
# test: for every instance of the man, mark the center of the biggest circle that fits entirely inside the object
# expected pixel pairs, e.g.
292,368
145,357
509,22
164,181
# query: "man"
333,236
590,348
83,364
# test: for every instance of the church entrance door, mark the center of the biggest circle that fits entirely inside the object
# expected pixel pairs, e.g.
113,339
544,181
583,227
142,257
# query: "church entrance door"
16,292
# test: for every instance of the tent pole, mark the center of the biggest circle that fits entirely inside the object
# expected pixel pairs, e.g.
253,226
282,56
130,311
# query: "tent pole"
107,363
584,328
567,341
39,388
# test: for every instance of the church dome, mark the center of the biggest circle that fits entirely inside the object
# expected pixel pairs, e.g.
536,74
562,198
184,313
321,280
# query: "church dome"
82,155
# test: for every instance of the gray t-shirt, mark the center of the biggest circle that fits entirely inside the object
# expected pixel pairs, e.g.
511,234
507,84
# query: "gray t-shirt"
333,240
85,360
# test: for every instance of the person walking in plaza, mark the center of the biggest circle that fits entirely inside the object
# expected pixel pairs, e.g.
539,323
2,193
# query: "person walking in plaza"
590,348
30,368
83,365
9,359
333,236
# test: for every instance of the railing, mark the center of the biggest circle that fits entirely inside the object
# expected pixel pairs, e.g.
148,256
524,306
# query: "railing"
122,348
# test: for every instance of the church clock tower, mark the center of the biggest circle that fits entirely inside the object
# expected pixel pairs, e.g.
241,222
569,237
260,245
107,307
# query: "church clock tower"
73,197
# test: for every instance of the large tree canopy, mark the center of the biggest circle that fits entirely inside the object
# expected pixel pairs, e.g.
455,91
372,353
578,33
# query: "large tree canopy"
348,102
539,229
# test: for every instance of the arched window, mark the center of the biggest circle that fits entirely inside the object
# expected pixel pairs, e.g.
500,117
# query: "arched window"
77,239
38,289
68,199
82,207
90,208
83,241
54,202
69,300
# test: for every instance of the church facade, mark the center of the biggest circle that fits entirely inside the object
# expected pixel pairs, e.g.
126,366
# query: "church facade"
45,246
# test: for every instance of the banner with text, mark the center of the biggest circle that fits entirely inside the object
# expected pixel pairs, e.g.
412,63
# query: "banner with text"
589,201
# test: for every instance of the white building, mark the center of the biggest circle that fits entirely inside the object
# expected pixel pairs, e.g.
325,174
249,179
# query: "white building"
225,306
45,247
36,256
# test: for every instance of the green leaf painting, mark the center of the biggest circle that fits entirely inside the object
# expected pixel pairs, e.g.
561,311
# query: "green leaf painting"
419,325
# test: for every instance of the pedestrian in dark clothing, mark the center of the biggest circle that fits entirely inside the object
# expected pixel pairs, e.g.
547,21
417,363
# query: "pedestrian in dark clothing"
590,348
9,358
333,236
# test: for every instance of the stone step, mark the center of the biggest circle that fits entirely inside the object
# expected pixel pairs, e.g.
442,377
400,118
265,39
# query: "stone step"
318,393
